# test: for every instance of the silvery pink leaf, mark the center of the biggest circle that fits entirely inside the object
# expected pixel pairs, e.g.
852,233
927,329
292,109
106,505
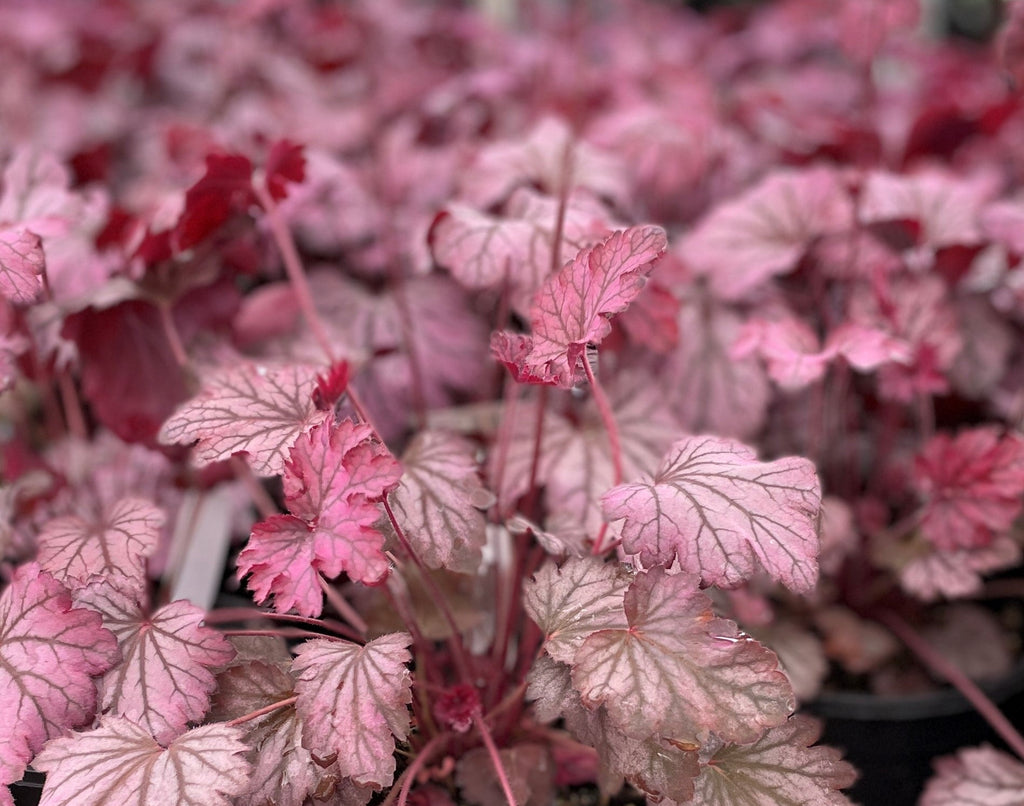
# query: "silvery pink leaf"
661,768
21,264
723,514
283,771
946,207
166,675
115,543
976,776
120,762
713,391
353,702
779,769
50,651
763,233
956,573
437,501
253,409
573,307
679,673
548,158
574,601
788,346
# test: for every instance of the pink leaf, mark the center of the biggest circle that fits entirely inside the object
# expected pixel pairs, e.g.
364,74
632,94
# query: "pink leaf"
353,701
713,391
765,232
21,264
679,673
479,250
337,468
49,653
280,560
333,477
571,603
437,501
944,206
957,573
164,680
253,409
482,251
547,158
114,544
284,772
789,348
659,767
724,514
779,768
976,775
573,307
120,762
576,464
971,485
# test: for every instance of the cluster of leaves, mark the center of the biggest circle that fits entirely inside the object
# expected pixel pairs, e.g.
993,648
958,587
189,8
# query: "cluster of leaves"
597,379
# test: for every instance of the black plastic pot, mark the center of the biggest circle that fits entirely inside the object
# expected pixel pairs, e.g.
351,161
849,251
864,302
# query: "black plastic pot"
29,789
893,740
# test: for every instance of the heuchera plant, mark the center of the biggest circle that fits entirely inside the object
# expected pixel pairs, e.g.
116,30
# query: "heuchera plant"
579,388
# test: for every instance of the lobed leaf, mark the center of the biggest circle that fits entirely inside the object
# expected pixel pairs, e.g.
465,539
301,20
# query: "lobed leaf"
971,485
723,514
779,769
977,776
353,701
120,762
49,653
284,772
678,673
21,265
763,233
253,409
114,544
573,306
573,602
165,678
436,502
660,768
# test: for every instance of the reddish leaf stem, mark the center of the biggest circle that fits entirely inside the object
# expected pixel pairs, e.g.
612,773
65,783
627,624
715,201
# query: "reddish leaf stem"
267,709
604,408
293,267
173,335
455,640
944,668
343,608
409,773
492,750
229,614
72,405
